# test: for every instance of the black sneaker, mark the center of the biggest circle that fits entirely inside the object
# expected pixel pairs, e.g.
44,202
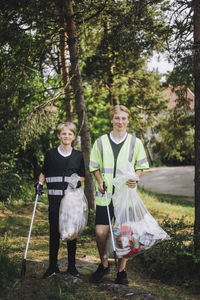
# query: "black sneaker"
51,271
72,270
121,278
100,272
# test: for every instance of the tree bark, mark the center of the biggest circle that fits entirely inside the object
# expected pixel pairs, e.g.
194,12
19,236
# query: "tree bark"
197,122
63,62
79,99
110,66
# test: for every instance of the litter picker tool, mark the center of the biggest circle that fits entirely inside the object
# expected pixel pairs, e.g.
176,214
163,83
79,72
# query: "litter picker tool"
23,270
111,231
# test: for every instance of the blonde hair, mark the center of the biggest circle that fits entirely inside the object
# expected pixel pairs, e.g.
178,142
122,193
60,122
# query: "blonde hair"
117,108
71,126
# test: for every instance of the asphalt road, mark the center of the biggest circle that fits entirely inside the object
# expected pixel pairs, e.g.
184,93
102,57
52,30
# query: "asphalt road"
169,180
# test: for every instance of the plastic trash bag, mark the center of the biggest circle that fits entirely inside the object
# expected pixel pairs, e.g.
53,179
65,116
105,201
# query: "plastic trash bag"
73,212
134,230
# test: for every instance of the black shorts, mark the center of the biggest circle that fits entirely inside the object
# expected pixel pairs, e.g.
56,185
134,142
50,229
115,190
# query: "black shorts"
102,214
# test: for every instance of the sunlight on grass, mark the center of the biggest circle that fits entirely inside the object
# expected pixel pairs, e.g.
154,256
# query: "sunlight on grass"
161,206
15,221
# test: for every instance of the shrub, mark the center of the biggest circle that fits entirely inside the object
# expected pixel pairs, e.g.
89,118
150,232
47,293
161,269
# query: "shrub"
173,261
14,187
8,268
9,180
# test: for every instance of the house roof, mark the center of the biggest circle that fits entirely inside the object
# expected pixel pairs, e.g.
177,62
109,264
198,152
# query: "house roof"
171,94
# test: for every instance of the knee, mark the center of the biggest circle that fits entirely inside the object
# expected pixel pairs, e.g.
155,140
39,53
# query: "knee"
101,232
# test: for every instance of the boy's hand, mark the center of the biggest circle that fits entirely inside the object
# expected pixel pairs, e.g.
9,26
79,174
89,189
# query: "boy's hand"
102,187
78,184
74,182
131,183
38,188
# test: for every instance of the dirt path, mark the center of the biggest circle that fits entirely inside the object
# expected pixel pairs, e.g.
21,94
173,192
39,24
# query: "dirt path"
63,286
67,287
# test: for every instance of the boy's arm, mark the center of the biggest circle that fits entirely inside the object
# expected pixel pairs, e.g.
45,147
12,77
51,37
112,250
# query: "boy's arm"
139,172
133,183
41,178
97,175
39,185
82,179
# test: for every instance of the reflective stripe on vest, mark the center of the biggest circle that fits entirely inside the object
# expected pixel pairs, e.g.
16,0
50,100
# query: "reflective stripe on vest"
93,164
132,146
57,179
56,192
109,195
100,146
142,161
110,171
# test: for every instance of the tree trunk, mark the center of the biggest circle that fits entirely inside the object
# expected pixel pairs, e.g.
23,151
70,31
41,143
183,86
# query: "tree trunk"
197,122
79,99
110,66
63,62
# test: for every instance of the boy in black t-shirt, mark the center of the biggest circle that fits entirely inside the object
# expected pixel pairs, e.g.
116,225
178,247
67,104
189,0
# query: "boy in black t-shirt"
60,163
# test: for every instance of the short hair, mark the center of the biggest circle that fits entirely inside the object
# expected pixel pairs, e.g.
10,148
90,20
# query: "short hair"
117,108
71,126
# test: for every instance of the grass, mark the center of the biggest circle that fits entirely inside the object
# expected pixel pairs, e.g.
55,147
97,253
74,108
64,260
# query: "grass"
14,226
162,205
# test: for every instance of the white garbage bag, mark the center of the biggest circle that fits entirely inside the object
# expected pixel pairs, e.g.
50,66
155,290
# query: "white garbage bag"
73,212
135,230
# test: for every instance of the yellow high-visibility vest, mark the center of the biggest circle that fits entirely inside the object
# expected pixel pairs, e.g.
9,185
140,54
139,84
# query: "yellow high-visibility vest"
102,159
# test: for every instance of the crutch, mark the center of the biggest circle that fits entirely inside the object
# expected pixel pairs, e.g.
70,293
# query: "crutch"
23,269
111,231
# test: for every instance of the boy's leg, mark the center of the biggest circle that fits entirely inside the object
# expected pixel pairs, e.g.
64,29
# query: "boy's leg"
54,238
121,275
102,228
71,248
54,241
101,239
122,264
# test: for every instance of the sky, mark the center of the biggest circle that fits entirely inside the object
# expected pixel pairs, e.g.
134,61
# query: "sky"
160,62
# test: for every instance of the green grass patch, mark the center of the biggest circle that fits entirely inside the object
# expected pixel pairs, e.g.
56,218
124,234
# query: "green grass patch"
168,205
168,264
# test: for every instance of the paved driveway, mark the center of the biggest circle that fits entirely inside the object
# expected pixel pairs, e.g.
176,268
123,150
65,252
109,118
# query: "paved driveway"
169,180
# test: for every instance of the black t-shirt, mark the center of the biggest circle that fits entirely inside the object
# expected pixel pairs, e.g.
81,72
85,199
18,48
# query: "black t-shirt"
56,165
115,147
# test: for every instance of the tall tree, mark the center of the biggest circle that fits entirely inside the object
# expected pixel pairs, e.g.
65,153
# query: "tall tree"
64,61
185,51
79,98
197,120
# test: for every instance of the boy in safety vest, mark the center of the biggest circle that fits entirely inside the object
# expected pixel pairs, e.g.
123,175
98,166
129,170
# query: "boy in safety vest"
108,157
59,164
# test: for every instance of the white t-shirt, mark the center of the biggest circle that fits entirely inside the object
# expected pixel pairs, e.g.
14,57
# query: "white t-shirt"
64,155
117,142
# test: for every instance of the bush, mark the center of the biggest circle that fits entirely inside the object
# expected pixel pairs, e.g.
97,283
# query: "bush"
14,187
8,268
173,261
9,181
